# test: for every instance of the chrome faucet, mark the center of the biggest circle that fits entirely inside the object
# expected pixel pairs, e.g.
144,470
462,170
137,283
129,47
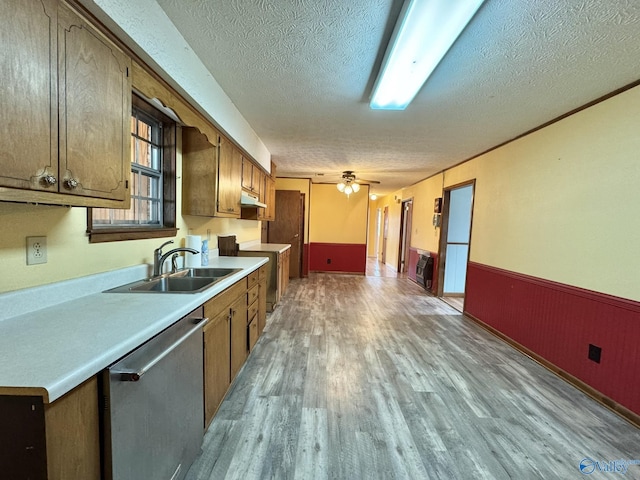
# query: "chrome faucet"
159,257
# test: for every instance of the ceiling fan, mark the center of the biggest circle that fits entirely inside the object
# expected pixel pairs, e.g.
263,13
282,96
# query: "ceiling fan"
350,184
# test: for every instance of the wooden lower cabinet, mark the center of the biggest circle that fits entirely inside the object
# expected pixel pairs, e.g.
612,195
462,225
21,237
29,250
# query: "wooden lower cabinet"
217,358
262,299
238,335
55,441
225,340
276,274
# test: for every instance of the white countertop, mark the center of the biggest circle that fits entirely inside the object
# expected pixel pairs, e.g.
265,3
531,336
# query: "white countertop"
51,350
266,247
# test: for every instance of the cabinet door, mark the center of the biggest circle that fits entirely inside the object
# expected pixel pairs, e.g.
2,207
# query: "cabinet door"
270,198
217,356
257,180
229,179
94,94
262,304
199,159
28,104
238,334
253,332
247,174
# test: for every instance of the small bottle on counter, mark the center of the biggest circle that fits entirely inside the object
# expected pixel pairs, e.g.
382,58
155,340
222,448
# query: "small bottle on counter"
205,253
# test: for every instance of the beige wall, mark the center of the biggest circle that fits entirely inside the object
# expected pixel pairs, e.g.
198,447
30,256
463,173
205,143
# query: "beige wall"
562,203
336,218
303,185
69,253
424,236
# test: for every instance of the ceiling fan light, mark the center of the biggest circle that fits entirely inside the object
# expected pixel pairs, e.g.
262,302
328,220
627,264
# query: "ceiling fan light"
355,187
341,186
348,189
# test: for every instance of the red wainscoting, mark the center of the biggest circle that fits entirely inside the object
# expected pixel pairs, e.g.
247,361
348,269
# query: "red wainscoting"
305,259
413,261
558,322
338,257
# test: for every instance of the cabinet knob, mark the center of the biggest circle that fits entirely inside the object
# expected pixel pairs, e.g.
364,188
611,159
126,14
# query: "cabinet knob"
49,180
71,183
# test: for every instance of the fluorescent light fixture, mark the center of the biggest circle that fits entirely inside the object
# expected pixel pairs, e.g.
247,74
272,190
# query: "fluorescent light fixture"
425,31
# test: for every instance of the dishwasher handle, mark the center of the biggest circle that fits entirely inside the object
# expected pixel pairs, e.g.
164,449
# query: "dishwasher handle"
134,374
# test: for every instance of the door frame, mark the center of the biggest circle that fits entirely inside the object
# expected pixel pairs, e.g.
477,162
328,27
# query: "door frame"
385,233
406,217
444,230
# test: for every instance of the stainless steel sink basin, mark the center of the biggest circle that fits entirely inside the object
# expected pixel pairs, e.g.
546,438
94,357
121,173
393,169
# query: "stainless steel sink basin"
166,284
174,284
190,280
209,272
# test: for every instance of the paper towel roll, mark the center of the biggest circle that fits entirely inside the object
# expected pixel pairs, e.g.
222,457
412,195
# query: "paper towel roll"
195,242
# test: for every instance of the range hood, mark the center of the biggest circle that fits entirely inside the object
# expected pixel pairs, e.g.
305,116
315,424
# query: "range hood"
248,200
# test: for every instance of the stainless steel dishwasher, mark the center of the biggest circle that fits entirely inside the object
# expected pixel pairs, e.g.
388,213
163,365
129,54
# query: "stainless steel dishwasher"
153,415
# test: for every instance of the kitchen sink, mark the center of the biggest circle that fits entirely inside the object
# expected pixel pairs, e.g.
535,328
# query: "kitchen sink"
208,272
190,280
174,284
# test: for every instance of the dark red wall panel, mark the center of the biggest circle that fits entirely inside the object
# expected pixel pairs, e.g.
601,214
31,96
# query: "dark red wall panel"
338,257
558,322
305,259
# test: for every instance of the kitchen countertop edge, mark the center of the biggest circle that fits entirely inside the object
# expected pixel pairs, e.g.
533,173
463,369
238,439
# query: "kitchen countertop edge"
54,349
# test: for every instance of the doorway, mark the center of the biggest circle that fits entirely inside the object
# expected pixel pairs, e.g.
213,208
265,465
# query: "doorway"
455,241
385,234
406,217
288,227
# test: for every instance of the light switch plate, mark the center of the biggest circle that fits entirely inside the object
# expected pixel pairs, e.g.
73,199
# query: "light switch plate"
36,250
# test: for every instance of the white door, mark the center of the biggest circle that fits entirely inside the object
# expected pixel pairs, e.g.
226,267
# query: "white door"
458,236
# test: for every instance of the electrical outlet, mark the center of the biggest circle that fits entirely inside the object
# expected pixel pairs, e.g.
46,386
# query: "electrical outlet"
36,250
595,353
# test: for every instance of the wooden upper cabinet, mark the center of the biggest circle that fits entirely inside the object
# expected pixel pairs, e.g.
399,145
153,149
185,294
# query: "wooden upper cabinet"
229,179
257,181
199,176
94,88
66,109
211,176
252,177
247,174
29,102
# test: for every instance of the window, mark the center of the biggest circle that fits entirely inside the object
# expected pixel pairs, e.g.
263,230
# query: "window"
152,212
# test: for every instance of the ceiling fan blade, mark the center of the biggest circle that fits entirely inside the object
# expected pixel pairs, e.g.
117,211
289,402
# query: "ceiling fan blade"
362,180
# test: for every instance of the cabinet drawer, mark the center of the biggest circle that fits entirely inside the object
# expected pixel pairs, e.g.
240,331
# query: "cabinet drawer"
253,311
252,294
262,273
225,298
252,278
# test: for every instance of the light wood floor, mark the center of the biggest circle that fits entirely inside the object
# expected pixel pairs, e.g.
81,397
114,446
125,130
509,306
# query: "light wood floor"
455,302
361,377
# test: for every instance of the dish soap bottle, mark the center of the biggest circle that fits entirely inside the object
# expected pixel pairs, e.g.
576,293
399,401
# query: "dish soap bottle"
205,253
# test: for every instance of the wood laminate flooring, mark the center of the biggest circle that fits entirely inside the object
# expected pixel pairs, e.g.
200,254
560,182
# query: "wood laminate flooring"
360,377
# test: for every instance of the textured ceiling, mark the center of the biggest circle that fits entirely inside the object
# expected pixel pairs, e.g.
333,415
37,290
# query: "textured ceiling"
301,72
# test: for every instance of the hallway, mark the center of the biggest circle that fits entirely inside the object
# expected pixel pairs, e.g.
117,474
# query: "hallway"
360,377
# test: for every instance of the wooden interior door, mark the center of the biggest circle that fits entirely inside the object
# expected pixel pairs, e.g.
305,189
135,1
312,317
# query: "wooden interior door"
288,227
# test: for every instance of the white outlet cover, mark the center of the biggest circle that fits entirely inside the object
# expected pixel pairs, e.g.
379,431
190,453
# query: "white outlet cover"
36,250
